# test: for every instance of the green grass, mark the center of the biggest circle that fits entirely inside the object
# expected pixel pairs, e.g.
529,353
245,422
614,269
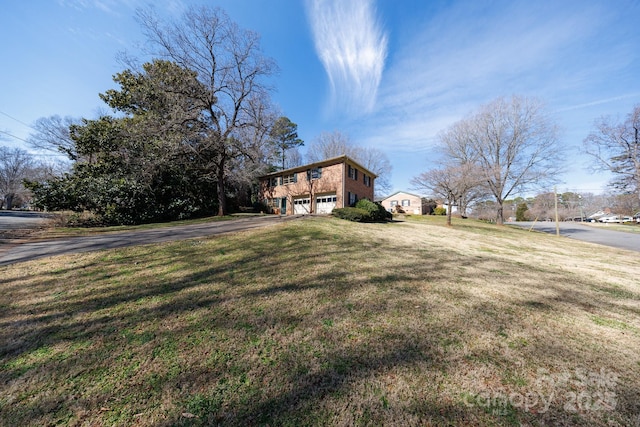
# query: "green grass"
324,322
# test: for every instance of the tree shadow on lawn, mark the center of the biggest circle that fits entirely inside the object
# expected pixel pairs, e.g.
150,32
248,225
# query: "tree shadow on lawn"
245,339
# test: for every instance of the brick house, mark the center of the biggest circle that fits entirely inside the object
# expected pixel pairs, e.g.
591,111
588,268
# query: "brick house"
406,202
316,188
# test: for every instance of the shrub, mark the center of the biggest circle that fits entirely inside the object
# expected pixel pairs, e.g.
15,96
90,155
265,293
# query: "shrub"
440,211
521,212
376,211
364,211
260,207
352,214
78,219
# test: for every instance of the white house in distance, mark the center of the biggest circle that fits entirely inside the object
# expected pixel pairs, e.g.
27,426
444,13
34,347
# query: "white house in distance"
401,201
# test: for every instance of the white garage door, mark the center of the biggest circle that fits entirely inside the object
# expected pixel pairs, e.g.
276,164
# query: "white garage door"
326,203
302,206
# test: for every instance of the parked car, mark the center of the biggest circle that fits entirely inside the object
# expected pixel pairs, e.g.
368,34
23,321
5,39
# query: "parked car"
607,218
616,218
636,217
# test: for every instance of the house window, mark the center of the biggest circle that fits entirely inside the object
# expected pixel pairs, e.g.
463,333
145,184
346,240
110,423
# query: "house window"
289,179
353,198
406,202
353,173
367,180
394,203
327,199
315,173
273,182
273,203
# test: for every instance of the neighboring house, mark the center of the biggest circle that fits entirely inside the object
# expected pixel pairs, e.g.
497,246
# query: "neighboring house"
317,188
597,215
454,208
408,203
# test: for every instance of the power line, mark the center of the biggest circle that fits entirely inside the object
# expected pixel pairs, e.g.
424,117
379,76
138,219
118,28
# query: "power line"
13,136
32,153
17,120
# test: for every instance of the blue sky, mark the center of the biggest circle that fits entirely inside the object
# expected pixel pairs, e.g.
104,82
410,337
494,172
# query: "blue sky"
391,74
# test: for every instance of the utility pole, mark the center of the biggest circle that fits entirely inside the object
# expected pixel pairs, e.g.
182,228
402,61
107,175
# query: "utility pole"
555,199
582,218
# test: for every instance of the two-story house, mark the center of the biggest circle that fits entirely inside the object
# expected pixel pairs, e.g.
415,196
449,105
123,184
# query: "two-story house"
318,187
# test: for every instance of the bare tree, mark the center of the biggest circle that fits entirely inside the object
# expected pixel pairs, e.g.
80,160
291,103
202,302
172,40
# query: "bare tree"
15,166
52,134
333,144
593,203
328,145
244,170
615,147
229,63
625,204
512,142
377,162
456,145
453,183
543,206
294,158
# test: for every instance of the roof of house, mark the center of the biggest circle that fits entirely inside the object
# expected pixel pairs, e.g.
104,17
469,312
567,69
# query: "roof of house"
404,192
323,163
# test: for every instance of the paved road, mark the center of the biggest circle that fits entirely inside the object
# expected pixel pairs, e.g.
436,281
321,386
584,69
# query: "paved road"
14,253
588,233
12,220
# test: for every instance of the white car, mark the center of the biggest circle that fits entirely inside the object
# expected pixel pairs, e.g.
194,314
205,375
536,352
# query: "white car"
616,218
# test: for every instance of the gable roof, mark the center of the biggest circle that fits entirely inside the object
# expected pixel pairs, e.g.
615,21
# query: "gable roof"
323,163
403,192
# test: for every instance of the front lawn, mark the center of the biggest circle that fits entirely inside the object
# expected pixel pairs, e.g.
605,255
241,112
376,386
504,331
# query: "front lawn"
326,322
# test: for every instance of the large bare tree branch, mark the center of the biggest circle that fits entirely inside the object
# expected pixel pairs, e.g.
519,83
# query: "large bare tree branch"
333,144
228,62
52,134
615,147
513,144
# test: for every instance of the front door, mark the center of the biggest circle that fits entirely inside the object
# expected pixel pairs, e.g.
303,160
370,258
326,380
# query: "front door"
283,207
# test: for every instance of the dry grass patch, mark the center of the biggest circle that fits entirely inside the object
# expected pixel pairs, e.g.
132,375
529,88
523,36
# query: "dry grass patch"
323,321
58,226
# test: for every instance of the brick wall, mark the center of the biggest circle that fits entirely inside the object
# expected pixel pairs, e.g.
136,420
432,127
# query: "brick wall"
330,182
357,186
334,179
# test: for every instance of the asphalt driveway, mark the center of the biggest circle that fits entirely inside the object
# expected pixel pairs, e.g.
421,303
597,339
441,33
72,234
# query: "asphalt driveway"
20,252
588,233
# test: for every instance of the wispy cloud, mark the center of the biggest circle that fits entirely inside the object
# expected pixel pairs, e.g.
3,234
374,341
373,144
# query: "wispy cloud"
596,102
352,46
111,7
469,53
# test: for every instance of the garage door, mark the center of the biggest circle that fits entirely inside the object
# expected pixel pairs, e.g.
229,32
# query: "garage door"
302,206
326,203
